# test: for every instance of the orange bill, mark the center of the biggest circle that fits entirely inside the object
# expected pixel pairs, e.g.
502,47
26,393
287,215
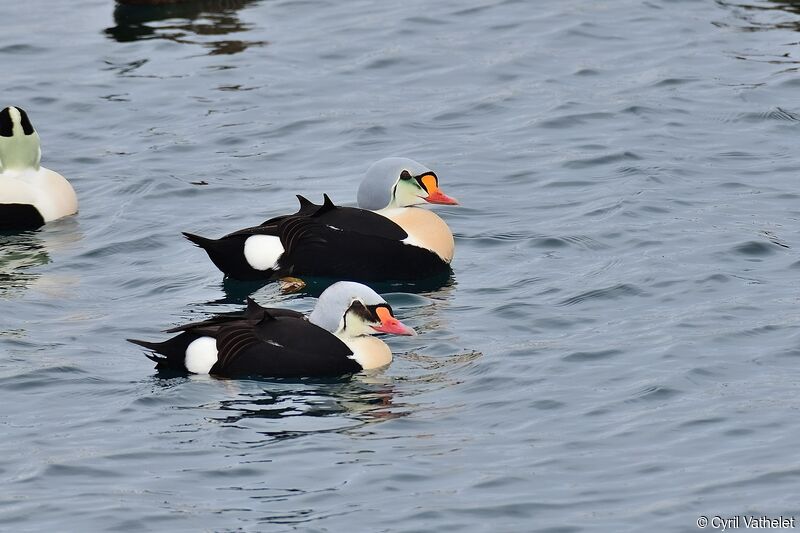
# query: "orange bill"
390,324
435,195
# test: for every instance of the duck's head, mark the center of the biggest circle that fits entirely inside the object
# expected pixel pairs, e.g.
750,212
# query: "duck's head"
349,309
19,142
400,182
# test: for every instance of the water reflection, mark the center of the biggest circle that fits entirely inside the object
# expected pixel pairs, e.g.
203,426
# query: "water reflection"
792,6
286,409
193,22
767,15
22,252
434,369
318,398
19,252
237,291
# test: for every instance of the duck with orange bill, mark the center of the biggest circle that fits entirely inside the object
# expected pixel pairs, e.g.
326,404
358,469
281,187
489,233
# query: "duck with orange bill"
387,237
334,340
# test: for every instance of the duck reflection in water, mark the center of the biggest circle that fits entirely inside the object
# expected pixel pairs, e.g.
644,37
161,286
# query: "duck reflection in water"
357,399
22,252
763,16
288,408
190,22
237,291
790,6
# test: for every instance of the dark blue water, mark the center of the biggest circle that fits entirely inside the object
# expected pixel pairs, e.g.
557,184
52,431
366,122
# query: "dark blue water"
617,349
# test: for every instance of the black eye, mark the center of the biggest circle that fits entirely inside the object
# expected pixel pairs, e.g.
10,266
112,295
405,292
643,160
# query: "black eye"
405,175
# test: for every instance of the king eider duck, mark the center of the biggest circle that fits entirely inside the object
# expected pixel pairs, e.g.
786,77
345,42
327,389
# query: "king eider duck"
30,195
334,340
386,238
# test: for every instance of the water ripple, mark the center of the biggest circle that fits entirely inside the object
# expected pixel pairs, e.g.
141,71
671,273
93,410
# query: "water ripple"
608,293
601,160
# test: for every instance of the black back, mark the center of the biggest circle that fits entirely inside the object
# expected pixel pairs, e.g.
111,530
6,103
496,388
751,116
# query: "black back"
281,347
316,249
329,241
277,343
348,219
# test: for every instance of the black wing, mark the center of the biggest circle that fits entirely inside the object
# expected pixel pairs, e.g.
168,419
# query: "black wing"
281,347
252,313
307,207
259,342
315,249
349,219
329,241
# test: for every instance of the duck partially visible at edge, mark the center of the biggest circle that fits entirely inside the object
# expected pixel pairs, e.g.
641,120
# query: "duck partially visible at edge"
30,195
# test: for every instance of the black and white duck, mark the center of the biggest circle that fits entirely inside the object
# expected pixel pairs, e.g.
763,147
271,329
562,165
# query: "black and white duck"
387,237
30,195
334,340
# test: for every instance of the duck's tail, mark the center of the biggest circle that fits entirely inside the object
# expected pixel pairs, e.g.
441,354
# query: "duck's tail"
202,242
227,254
170,354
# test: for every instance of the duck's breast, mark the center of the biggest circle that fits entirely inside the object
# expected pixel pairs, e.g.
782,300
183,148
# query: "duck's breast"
14,190
49,192
425,229
55,197
369,352
18,209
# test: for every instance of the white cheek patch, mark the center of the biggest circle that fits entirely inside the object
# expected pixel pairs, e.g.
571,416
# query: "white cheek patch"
356,326
407,194
201,355
263,251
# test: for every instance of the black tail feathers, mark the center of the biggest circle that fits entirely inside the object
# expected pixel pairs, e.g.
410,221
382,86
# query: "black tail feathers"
202,242
168,354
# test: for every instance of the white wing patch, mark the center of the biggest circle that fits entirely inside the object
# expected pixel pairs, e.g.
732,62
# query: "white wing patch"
262,252
201,355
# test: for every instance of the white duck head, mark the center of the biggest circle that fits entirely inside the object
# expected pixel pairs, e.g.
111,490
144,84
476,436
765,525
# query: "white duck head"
348,310
19,142
400,182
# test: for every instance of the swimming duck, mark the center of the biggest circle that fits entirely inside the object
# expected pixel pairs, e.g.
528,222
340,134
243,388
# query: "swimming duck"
30,195
386,238
334,340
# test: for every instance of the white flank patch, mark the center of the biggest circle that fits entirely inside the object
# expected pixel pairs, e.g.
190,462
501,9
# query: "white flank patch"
201,355
263,251
413,241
